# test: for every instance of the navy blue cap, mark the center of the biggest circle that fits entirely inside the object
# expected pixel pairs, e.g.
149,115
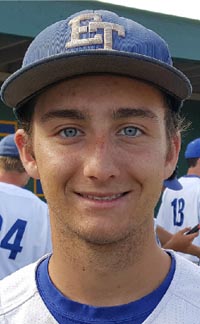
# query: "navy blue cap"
193,149
95,41
8,147
173,184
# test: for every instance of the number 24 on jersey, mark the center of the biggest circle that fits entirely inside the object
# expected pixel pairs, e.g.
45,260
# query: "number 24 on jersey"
12,239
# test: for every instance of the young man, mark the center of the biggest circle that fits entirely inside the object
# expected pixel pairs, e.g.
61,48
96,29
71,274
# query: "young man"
21,214
181,209
94,96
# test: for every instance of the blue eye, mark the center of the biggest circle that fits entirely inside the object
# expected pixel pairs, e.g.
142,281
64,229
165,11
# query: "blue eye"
69,132
130,131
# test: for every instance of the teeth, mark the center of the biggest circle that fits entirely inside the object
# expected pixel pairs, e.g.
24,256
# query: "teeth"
106,198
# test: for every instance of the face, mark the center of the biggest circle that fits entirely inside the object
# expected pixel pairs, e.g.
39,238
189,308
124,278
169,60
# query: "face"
99,147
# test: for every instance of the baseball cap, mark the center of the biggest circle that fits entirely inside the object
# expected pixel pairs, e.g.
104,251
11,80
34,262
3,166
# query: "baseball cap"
8,147
193,149
95,41
173,184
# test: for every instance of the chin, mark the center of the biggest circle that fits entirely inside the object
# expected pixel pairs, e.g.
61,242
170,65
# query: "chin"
102,238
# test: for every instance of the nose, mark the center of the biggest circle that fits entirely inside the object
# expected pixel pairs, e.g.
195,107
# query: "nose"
101,162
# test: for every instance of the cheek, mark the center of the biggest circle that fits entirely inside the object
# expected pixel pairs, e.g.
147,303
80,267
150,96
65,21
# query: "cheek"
149,172
55,167
149,162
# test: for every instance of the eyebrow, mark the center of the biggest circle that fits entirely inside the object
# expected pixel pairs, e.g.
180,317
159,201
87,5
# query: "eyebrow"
134,112
120,113
64,113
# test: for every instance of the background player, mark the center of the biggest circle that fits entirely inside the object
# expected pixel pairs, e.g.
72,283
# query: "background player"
179,241
24,220
180,209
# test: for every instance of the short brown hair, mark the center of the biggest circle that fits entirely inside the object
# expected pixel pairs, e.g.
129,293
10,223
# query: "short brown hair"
10,164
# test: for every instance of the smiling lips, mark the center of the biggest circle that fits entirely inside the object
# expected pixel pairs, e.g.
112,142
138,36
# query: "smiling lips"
101,197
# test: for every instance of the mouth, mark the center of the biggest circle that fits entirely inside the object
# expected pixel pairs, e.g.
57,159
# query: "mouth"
102,197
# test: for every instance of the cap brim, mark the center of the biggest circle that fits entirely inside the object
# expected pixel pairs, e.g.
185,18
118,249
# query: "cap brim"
173,184
28,81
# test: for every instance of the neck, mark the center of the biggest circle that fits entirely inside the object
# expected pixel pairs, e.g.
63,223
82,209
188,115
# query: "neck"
194,170
105,275
11,178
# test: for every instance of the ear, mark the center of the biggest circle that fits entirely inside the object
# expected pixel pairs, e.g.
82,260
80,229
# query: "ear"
24,145
172,155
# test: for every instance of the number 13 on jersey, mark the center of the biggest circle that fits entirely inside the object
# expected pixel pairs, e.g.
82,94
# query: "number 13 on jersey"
178,206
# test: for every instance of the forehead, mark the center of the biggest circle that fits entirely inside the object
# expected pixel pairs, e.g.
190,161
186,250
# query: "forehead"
100,90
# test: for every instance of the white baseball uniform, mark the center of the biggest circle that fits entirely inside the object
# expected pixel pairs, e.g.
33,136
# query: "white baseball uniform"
181,209
21,302
24,228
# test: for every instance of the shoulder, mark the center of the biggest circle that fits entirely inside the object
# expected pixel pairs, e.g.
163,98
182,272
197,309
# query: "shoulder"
12,189
167,194
186,282
188,181
180,304
19,294
10,192
20,283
